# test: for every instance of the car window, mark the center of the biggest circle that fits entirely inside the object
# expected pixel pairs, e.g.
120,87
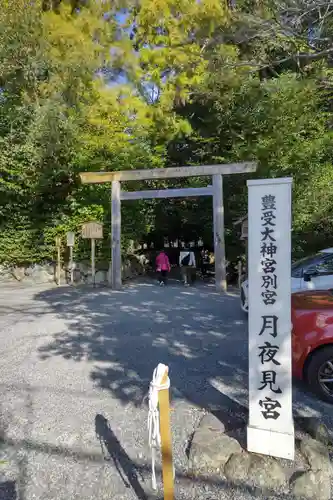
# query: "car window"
302,265
325,265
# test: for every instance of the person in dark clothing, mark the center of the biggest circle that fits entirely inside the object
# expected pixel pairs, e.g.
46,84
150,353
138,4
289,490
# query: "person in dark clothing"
187,265
205,261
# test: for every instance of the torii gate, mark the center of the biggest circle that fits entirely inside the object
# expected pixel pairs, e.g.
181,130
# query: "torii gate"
216,190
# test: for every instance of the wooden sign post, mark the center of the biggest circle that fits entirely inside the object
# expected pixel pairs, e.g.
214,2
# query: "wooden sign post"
70,244
239,273
166,440
93,269
92,231
159,428
271,428
58,247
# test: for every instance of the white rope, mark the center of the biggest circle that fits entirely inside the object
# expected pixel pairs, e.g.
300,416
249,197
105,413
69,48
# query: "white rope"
154,437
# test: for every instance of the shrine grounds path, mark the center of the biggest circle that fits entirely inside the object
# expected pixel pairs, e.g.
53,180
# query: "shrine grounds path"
70,354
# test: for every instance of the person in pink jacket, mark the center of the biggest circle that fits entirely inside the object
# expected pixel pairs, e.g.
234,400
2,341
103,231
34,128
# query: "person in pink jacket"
162,267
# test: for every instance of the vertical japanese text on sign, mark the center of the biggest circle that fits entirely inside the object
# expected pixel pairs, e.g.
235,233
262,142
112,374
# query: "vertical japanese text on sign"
269,285
269,318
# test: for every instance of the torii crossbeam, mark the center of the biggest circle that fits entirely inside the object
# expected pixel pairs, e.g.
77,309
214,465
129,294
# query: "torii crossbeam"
216,190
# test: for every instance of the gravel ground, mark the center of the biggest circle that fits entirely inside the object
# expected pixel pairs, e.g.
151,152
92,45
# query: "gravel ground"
70,354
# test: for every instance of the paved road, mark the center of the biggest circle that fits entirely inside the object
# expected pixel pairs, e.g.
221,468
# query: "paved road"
69,355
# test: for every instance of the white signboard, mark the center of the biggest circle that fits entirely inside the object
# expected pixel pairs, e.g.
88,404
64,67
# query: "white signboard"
271,428
70,239
92,230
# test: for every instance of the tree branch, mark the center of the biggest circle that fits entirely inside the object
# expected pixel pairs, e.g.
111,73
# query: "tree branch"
257,66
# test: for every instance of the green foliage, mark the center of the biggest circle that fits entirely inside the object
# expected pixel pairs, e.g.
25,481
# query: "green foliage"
57,118
281,123
173,83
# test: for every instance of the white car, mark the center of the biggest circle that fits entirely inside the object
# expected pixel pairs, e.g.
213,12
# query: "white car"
310,273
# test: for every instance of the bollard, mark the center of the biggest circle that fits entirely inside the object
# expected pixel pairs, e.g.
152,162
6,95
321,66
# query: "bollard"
159,428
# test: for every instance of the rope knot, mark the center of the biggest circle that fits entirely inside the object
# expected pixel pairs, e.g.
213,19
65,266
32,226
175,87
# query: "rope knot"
154,437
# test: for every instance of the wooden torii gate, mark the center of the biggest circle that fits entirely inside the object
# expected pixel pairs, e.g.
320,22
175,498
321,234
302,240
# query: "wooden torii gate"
216,190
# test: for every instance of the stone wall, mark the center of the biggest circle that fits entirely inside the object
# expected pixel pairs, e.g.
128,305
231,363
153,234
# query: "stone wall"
132,266
215,450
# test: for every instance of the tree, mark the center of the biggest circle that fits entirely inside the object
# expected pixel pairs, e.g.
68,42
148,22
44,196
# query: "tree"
57,118
114,85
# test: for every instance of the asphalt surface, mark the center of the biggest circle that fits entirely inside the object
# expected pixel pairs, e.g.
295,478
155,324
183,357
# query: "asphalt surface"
75,366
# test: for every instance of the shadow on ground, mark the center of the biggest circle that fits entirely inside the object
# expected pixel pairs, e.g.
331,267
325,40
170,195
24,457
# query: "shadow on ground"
113,450
200,334
8,490
196,332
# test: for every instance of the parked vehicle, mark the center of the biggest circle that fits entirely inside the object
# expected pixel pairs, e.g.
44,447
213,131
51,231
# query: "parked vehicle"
312,340
310,273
